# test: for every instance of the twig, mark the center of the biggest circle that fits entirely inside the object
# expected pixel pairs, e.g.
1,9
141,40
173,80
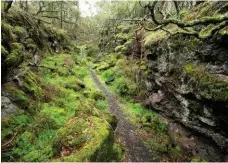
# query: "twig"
9,140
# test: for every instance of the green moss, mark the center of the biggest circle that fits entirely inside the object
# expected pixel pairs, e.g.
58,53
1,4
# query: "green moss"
91,50
96,95
124,86
31,85
125,47
17,46
178,44
55,113
143,65
124,28
196,158
74,84
145,117
120,48
32,156
205,9
102,104
83,72
207,31
4,52
150,128
17,95
154,37
98,142
16,55
6,132
7,34
31,46
210,86
111,119
224,31
108,75
12,124
115,153
29,41
70,121
128,43
213,88
43,122
123,36
19,31
31,147
104,66
183,13
65,135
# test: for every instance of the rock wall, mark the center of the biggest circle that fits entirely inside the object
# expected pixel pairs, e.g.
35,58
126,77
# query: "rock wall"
190,84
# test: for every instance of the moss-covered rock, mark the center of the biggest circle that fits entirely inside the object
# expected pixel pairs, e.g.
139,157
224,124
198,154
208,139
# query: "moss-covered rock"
87,139
12,124
17,95
30,84
97,95
20,32
16,55
125,28
7,34
210,86
123,36
4,52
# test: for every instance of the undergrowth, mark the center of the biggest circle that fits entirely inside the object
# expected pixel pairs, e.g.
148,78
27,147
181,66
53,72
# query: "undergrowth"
150,126
68,99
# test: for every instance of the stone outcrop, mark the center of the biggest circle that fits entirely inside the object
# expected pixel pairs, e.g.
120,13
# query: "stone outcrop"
188,81
190,85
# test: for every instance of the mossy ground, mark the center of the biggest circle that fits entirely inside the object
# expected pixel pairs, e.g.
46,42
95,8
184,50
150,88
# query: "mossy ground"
71,123
150,127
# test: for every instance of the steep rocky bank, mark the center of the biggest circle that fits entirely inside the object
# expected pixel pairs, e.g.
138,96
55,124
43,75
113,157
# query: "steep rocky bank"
188,82
183,78
190,85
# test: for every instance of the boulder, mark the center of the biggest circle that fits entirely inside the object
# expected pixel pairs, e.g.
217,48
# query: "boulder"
8,107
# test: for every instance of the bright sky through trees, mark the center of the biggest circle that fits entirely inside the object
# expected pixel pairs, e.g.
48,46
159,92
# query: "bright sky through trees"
87,8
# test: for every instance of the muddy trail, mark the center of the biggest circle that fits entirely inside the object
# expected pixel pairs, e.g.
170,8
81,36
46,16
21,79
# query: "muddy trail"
125,131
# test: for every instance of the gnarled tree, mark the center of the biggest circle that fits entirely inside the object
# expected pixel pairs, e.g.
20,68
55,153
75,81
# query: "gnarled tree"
219,23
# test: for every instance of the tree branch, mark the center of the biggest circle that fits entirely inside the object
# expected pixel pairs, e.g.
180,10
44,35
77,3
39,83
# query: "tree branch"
7,7
205,20
202,37
55,17
222,22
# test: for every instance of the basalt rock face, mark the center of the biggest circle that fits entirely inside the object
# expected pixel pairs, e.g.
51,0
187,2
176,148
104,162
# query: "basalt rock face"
190,84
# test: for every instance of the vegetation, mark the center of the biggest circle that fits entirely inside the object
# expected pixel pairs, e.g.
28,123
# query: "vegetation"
53,109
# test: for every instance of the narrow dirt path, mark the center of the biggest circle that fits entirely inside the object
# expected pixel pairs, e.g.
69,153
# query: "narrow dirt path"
125,131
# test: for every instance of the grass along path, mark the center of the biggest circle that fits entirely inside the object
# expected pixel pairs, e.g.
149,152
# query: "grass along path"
125,131
151,128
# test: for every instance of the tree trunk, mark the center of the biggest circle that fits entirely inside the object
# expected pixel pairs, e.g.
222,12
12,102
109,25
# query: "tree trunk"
7,7
198,2
26,5
61,15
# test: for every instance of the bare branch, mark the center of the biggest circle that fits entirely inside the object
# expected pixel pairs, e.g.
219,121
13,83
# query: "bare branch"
55,17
